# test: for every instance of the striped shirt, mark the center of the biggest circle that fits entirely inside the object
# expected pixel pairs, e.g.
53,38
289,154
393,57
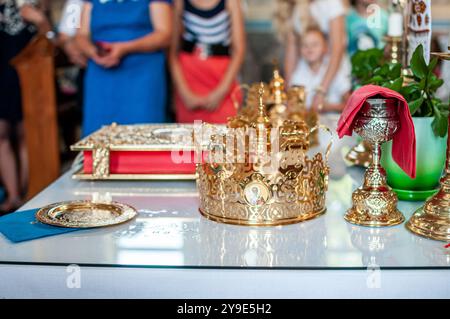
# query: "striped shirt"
209,27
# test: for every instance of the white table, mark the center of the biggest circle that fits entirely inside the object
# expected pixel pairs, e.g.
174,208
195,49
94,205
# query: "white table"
170,251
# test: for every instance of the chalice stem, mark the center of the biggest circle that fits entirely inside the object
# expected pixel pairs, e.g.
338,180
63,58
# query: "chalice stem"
374,177
376,154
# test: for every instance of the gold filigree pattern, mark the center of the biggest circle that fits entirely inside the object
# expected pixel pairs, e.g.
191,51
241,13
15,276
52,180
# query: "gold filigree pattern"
282,104
289,189
145,137
286,201
100,166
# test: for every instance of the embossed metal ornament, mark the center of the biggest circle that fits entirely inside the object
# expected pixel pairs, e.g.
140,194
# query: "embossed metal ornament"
85,214
375,204
281,103
141,137
289,188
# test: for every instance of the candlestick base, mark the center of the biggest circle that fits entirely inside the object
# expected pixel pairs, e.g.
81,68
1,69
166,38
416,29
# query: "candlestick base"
433,219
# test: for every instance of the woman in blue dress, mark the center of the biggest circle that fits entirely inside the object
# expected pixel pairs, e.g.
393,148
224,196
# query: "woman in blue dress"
126,76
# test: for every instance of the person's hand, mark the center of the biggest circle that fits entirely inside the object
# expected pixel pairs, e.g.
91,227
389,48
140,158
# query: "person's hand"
32,15
114,53
214,99
318,102
193,101
74,53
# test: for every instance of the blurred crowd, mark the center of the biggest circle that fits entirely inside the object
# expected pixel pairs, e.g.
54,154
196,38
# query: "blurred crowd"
137,61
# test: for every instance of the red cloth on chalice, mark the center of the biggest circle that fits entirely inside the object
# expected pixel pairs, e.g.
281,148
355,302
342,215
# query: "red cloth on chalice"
404,141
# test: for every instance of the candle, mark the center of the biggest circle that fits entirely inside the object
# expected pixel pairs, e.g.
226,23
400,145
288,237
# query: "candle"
20,3
395,24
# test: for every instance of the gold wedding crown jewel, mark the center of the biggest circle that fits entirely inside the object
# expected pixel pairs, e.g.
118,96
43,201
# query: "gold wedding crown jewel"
282,103
263,175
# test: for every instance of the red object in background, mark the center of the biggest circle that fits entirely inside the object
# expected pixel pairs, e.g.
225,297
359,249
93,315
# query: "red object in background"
143,162
203,75
404,141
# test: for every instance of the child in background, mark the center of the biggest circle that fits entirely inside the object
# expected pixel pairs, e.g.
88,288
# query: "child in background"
208,48
312,67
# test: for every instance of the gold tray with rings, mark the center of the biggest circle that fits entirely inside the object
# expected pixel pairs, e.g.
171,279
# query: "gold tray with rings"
85,214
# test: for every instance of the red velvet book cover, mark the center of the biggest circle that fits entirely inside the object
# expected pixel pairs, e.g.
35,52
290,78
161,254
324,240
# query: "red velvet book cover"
142,162
149,149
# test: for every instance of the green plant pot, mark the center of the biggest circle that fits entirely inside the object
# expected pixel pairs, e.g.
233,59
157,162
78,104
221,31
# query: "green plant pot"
430,161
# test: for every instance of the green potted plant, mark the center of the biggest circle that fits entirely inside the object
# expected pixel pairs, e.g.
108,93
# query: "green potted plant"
429,116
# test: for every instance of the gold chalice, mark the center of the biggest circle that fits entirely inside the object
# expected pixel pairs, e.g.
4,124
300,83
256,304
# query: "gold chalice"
375,204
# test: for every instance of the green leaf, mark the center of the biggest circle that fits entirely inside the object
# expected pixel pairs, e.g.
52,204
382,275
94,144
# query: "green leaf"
429,110
383,70
444,108
395,85
423,84
377,79
432,65
415,105
439,124
364,64
395,70
410,91
435,83
418,64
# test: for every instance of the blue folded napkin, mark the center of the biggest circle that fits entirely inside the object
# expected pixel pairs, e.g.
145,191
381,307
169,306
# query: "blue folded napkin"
23,226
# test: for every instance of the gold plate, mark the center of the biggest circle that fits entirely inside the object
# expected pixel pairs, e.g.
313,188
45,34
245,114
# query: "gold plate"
85,214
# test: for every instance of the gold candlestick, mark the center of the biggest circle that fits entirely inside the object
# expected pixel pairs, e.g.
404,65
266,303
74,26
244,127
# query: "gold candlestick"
375,204
397,53
398,46
433,219
395,49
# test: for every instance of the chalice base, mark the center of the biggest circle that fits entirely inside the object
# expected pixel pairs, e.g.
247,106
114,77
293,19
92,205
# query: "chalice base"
374,208
433,219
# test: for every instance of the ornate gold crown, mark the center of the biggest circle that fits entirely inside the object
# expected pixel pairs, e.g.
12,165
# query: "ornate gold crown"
241,183
282,103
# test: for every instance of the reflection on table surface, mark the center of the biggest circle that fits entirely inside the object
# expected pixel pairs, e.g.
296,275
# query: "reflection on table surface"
169,231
